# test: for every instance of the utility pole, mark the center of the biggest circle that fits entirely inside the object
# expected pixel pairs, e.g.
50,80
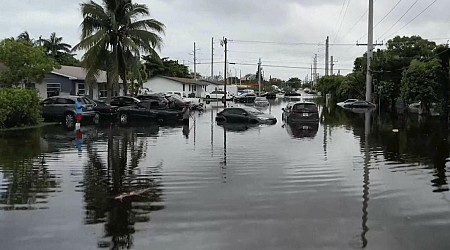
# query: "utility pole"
224,43
369,54
315,69
212,58
259,77
195,64
311,74
240,77
327,50
332,61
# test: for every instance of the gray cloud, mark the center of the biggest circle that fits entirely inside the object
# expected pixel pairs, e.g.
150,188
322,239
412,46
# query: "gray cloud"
287,21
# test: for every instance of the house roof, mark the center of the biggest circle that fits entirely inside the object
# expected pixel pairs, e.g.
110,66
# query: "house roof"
185,80
212,82
77,73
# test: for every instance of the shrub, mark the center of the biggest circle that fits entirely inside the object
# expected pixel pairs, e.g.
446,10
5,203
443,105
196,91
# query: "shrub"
18,107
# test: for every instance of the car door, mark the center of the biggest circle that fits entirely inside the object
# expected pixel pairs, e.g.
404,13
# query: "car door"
48,108
62,105
238,115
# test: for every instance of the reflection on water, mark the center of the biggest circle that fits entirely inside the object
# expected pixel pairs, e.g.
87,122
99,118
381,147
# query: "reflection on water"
365,181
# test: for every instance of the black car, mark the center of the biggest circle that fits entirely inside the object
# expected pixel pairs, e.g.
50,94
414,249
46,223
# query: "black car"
147,111
122,101
245,98
301,112
360,105
244,115
62,108
289,94
104,109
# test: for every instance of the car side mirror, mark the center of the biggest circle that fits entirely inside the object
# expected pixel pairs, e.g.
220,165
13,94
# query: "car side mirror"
282,109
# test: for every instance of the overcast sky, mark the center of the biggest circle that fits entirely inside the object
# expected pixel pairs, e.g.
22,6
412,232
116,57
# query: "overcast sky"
297,28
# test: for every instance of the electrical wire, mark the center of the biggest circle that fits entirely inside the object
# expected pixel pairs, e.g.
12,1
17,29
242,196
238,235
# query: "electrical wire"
339,18
343,18
410,7
414,18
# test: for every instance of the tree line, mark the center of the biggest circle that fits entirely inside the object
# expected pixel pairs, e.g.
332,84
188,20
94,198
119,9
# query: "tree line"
410,69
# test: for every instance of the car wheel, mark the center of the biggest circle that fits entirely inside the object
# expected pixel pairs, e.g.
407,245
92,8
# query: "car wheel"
123,119
69,120
96,118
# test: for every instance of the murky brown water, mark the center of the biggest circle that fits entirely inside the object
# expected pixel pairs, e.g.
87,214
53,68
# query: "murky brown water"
347,183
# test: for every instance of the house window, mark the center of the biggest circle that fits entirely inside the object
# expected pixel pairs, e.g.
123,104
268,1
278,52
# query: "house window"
81,89
189,87
184,87
194,87
102,90
53,89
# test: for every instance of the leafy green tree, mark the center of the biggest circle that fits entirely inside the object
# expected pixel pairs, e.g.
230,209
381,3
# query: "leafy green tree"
25,37
67,59
114,31
54,45
25,63
166,67
294,82
421,84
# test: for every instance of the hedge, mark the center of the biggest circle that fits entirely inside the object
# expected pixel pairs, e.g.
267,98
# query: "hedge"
19,107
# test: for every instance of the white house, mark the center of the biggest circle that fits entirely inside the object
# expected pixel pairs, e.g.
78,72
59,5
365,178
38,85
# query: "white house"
158,84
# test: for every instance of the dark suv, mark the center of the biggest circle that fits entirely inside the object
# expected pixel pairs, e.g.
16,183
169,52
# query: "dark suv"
123,101
301,112
62,108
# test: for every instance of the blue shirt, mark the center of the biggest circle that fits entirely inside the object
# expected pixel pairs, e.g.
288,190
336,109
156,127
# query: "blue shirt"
78,107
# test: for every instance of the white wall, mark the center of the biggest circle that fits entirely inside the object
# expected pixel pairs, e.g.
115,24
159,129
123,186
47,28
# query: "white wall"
42,88
159,84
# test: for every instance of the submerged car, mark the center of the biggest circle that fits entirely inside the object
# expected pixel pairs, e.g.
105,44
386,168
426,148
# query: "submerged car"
360,104
261,102
301,112
62,108
348,101
245,115
104,109
245,98
122,101
302,129
147,111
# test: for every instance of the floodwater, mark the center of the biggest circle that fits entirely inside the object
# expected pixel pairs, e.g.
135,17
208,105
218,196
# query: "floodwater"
349,182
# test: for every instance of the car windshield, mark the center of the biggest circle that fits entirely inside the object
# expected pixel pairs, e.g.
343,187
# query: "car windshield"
218,92
351,100
311,107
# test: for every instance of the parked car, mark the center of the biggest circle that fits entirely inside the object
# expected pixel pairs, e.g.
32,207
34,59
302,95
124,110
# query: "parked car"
160,98
289,94
104,109
244,115
301,112
348,101
269,95
178,103
147,111
360,104
245,98
62,108
179,93
219,94
261,102
122,101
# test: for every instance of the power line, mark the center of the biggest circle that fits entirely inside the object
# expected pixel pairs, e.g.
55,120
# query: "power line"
339,18
356,23
382,19
410,7
272,66
343,18
287,43
415,17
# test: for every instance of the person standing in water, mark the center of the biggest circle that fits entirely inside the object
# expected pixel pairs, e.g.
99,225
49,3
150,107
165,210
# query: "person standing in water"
186,114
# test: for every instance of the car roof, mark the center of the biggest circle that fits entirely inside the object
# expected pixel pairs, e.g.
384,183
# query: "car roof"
303,102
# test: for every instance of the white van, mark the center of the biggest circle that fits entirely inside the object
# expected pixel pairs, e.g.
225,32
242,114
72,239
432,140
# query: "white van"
179,93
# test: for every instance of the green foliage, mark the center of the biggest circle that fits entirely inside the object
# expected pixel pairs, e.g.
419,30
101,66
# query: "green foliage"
420,82
294,82
67,59
113,33
25,62
18,107
165,67
54,46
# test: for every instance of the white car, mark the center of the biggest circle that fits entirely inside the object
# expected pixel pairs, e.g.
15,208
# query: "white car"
348,101
218,94
179,93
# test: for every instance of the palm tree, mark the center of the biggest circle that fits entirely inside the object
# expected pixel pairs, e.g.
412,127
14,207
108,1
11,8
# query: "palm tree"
54,45
24,36
113,33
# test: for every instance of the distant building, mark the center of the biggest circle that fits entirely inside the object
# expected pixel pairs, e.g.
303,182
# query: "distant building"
160,84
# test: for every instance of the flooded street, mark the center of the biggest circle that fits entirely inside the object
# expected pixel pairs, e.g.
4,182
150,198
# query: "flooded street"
349,182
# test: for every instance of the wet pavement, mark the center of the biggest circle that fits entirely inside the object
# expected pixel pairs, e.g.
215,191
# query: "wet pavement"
348,182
